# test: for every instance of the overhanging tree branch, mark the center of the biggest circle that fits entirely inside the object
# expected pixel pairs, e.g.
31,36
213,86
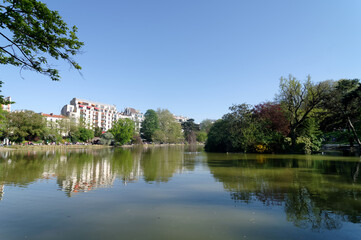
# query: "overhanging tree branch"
36,32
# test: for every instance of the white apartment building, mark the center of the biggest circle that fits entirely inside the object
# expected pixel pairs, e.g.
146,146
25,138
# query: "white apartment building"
134,115
94,114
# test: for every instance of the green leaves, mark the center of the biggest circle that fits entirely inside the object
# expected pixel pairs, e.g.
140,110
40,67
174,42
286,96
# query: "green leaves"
24,125
32,33
123,131
169,130
149,125
300,99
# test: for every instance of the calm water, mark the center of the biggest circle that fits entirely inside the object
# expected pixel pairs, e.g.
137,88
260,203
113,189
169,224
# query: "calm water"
177,193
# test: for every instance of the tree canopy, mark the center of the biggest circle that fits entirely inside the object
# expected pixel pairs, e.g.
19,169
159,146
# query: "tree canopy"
123,131
273,116
107,138
190,130
24,125
31,32
343,107
206,125
98,131
169,130
238,131
299,99
149,125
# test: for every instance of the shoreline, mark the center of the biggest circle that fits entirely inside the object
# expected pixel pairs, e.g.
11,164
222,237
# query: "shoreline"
55,147
161,145
51,147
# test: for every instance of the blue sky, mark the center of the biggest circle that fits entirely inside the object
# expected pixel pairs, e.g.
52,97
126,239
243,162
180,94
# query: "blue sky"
194,57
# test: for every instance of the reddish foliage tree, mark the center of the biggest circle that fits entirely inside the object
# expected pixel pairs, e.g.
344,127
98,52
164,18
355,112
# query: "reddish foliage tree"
273,116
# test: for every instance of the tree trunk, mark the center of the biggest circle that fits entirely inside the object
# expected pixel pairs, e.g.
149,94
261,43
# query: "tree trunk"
354,132
350,138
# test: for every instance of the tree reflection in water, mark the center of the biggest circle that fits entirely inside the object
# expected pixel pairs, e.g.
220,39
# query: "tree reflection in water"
82,170
315,193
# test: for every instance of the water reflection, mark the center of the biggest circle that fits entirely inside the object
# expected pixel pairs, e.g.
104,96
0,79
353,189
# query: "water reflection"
1,191
83,173
312,192
315,193
84,170
159,165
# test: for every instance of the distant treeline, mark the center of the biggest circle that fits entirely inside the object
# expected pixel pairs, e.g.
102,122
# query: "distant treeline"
161,127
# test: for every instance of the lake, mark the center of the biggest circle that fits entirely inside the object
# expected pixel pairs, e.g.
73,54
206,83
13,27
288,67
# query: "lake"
177,193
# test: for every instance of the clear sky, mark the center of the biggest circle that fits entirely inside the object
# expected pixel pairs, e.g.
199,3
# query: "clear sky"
194,57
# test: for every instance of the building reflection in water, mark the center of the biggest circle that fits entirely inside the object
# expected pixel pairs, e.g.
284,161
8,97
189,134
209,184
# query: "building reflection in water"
81,170
92,175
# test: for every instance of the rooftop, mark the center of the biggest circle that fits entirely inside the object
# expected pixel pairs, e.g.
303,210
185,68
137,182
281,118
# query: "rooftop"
52,115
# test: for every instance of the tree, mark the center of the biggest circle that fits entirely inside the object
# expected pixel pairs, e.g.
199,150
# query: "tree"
273,117
201,136
219,139
206,125
51,135
32,33
310,139
85,134
123,131
98,131
73,133
237,131
343,107
137,139
170,130
64,125
244,127
24,125
300,99
3,123
149,125
107,138
190,130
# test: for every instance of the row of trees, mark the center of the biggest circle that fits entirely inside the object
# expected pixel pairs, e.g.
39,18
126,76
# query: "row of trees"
161,127
302,116
30,126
